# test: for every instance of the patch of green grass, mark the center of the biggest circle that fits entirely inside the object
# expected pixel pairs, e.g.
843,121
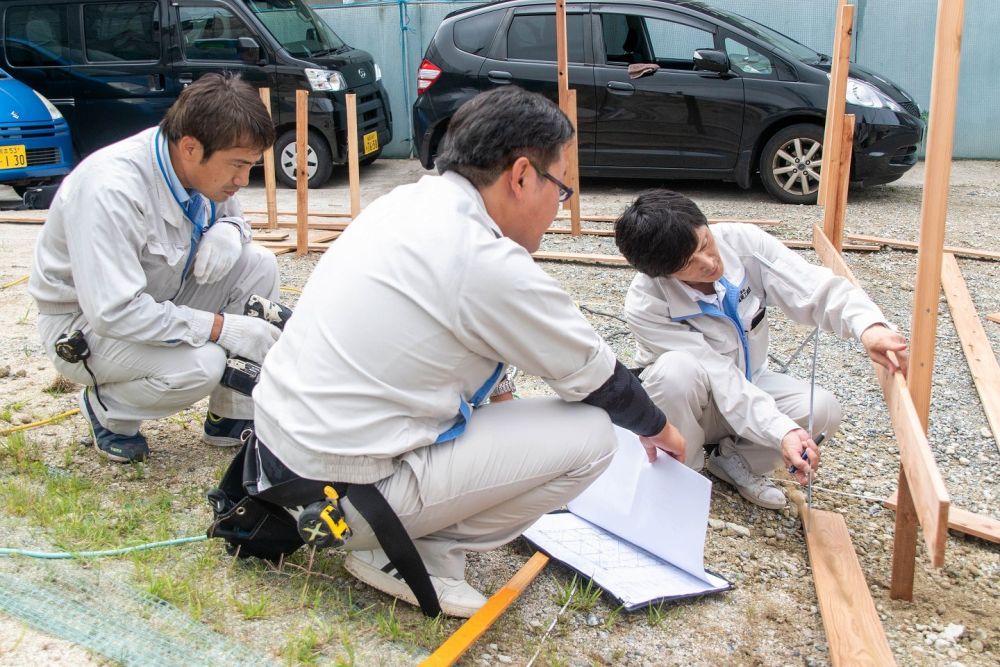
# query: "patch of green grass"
388,625
612,617
254,608
7,414
348,660
431,632
306,647
581,598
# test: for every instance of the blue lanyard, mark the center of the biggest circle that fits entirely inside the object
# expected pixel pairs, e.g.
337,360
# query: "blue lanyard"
197,229
465,408
730,306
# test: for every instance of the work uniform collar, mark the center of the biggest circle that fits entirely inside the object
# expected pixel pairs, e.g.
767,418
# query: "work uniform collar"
170,211
170,176
478,212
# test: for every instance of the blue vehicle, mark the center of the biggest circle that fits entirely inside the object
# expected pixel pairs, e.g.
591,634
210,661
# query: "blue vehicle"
35,145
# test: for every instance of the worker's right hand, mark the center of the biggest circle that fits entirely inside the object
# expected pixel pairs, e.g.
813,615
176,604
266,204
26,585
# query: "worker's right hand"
669,440
792,445
247,337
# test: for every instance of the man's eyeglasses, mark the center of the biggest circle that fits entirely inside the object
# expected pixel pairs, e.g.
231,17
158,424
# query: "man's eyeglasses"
565,192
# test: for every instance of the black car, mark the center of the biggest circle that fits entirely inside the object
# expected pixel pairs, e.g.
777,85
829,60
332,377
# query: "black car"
721,96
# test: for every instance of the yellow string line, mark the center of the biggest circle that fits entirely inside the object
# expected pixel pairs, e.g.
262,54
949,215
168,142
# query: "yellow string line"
14,282
293,290
25,427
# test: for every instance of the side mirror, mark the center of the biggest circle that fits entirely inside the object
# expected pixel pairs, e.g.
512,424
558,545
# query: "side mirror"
711,60
248,50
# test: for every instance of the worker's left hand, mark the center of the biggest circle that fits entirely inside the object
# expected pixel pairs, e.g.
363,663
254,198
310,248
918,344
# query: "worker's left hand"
218,251
878,340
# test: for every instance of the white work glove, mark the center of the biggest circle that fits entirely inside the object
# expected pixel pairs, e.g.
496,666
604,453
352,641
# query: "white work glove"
218,251
247,337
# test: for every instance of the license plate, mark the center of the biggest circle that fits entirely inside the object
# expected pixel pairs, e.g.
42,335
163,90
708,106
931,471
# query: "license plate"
370,141
13,157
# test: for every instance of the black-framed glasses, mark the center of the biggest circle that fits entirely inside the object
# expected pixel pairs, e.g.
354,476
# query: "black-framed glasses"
565,192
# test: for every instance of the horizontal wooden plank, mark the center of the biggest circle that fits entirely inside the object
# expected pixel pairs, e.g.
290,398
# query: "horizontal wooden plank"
711,221
974,253
609,260
854,631
270,236
963,521
994,317
22,219
978,350
930,497
312,214
807,245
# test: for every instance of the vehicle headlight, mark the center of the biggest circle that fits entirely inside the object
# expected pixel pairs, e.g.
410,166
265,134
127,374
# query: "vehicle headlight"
378,72
864,94
324,79
55,113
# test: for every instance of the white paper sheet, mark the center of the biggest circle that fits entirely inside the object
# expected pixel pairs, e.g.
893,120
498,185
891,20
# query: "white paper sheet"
638,531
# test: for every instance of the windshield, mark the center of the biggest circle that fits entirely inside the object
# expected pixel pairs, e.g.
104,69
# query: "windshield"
774,38
297,27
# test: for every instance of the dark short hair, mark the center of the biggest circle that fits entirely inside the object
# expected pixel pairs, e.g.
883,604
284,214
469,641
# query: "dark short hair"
658,233
490,131
221,112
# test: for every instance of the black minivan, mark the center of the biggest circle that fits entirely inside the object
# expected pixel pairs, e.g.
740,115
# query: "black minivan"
670,89
113,67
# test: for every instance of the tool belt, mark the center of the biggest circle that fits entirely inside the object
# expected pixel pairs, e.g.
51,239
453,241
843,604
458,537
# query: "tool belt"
257,523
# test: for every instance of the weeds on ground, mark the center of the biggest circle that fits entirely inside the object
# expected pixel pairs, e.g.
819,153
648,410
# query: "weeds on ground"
580,598
7,414
61,385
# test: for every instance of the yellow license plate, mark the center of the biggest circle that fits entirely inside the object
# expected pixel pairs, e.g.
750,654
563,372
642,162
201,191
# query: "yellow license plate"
13,157
370,142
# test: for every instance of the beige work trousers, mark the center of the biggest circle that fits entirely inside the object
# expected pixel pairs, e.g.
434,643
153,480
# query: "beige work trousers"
679,385
516,461
139,381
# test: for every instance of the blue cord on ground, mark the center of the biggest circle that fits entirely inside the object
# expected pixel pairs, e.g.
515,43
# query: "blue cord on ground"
63,555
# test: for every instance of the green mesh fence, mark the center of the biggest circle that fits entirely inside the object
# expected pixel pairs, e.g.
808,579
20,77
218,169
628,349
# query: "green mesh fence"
114,620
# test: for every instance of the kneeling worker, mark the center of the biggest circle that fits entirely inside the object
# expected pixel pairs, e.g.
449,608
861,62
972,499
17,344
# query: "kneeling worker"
698,310
407,325
145,263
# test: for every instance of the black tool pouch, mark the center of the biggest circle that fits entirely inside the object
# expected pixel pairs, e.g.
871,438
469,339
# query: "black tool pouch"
250,526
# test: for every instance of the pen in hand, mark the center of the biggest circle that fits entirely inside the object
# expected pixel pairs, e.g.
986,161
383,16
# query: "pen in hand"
805,456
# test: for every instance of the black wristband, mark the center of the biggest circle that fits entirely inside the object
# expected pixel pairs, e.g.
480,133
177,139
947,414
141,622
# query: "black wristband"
627,403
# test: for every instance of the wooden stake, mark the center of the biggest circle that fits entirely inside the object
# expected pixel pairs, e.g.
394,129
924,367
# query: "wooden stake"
977,347
453,648
352,154
836,203
836,101
574,166
270,186
301,172
562,59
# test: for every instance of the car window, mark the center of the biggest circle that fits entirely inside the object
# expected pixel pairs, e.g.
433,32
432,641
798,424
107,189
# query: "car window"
121,31
623,42
211,32
475,34
533,37
673,44
37,36
748,60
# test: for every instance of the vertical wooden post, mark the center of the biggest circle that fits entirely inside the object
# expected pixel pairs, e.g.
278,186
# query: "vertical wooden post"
301,172
269,184
833,134
933,212
352,154
574,170
835,209
568,106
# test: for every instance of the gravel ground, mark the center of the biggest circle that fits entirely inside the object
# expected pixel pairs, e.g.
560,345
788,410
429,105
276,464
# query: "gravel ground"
770,617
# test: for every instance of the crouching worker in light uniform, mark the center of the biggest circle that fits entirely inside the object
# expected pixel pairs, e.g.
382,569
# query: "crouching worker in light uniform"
698,310
146,254
406,326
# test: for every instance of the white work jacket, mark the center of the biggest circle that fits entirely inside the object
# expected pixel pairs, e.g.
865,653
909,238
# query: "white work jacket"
405,324
116,246
731,341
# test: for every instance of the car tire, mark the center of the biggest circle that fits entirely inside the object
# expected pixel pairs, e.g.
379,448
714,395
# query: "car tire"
790,163
319,161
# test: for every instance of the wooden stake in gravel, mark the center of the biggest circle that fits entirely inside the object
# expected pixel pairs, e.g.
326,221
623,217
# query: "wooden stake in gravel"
270,192
301,171
453,647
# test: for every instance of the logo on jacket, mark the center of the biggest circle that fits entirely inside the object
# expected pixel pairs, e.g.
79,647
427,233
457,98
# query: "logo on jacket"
745,292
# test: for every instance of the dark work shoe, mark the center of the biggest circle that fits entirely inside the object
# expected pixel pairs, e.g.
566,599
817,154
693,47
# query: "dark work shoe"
114,446
223,431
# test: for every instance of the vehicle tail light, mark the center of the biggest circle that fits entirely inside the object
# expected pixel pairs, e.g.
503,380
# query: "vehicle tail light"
427,74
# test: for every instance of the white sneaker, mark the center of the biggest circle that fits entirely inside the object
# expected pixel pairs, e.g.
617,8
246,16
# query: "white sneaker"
456,596
756,488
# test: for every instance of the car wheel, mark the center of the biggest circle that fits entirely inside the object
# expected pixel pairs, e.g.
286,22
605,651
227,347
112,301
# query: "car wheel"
319,162
790,164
